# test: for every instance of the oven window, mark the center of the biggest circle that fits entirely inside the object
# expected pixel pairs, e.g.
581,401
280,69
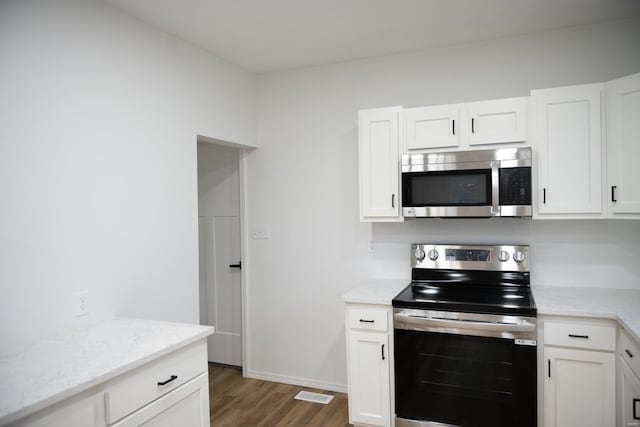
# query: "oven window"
447,188
464,380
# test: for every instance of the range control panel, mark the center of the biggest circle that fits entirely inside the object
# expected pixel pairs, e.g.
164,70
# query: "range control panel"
463,257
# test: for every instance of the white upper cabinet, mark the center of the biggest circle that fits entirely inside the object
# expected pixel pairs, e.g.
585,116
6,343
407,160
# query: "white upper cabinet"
498,122
466,126
623,146
432,127
567,138
380,136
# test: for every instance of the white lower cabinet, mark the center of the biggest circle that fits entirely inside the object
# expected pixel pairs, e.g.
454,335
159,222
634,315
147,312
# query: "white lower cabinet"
579,388
172,390
628,381
629,396
369,359
187,405
579,384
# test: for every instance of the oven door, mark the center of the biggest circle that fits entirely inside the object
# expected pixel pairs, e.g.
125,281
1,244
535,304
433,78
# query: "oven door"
451,190
443,376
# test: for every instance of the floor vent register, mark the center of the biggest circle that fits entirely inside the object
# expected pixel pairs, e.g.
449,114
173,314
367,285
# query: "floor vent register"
314,397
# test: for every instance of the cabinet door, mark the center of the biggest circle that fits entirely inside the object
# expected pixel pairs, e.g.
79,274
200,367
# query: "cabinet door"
369,388
567,139
623,147
432,127
498,121
379,164
187,406
629,396
579,388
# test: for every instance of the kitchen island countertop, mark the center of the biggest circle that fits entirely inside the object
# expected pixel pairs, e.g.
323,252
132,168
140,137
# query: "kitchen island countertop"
41,373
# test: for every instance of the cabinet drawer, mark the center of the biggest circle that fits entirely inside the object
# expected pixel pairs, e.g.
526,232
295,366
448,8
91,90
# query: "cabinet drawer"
135,389
372,320
579,335
630,352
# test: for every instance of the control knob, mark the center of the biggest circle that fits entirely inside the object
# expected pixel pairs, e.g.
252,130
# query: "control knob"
433,254
518,256
418,254
503,256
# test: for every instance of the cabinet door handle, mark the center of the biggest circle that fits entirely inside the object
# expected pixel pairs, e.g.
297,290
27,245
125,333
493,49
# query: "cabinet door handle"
635,405
626,350
238,265
473,129
453,126
549,367
613,193
171,378
382,349
393,200
585,337
367,321
544,195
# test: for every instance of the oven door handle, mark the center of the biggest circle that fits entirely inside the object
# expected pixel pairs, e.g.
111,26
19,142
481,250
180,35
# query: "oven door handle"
426,322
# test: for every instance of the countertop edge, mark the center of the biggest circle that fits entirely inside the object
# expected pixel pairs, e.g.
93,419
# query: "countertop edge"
80,388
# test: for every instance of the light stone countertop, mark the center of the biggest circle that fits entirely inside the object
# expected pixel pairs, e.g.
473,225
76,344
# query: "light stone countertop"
377,291
47,371
622,305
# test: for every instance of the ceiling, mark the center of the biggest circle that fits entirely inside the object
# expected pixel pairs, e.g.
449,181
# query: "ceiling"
270,35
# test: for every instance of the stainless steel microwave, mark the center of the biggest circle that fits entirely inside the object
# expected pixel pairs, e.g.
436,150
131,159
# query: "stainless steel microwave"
486,183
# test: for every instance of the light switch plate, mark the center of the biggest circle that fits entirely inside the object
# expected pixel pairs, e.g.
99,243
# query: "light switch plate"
260,231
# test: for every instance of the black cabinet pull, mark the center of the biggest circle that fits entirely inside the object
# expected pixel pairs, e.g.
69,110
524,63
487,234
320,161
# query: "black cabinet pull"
453,126
613,193
367,321
238,265
586,337
549,367
173,377
472,127
382,351
393,200
628,352
544,195
634,404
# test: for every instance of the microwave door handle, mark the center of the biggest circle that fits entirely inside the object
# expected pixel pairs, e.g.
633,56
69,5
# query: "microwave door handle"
495,188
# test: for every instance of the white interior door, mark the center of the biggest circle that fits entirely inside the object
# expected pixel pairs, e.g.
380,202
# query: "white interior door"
220,274
224,308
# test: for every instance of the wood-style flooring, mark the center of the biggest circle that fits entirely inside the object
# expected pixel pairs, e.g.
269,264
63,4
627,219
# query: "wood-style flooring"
238,401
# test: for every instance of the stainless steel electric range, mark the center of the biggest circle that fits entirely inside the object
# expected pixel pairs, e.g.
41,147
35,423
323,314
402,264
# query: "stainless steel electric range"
465,338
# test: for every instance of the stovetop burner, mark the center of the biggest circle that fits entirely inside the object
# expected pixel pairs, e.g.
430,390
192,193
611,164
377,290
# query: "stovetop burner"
471,279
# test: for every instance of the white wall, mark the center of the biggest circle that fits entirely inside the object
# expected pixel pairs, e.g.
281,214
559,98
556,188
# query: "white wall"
303,182
98,121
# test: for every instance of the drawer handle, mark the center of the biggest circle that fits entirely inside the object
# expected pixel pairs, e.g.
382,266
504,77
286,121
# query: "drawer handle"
173,377
367,321
586,337
628,352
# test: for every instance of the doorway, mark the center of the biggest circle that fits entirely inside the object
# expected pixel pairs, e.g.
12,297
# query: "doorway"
220,250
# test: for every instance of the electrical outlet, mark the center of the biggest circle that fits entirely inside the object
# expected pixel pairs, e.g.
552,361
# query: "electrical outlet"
82,303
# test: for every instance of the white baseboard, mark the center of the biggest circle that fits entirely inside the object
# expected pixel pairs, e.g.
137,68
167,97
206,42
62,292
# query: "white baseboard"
304,382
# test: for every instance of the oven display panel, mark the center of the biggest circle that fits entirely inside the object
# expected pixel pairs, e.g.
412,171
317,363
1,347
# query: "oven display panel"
467,255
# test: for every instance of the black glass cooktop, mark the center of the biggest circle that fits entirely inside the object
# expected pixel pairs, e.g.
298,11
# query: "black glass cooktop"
469,292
